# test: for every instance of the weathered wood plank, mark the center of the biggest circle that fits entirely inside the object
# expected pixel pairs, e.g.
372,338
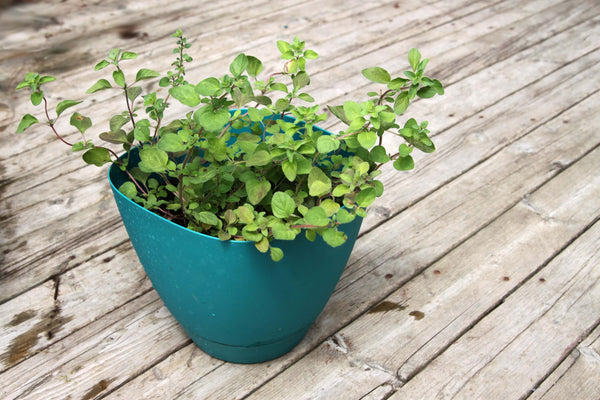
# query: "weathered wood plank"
409,328
534,328
577,377
382,211
51,188
333,53
68,302
545,144
102,355
174,369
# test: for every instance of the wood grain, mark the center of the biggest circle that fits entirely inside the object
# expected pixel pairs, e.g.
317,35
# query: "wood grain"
478,268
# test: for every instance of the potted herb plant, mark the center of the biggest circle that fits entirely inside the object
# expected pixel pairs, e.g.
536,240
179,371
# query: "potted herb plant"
245,171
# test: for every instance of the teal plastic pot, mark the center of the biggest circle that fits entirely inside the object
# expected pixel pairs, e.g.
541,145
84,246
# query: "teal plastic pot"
234,302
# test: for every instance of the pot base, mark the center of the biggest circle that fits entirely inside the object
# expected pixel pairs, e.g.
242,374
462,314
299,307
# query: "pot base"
256,353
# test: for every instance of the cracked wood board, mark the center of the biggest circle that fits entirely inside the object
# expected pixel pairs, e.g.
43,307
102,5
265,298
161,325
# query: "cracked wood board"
91,198
468,284
68,302
578,375
67,220
526,336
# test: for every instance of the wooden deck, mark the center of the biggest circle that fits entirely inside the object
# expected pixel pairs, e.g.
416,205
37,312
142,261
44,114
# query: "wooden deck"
476,276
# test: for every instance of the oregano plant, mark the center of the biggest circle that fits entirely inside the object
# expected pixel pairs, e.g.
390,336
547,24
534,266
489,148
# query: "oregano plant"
248,161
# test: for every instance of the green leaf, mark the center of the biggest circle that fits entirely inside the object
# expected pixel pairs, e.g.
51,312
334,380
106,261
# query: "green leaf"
102,64
276,254
278,86
164,81
404,163
283,46
209,87
171,142
141,132
207,217
282,205
113,54
306,97
310,55
340,190
145,73
404,150
238,65
117,121
186,94
254,114
257,190
424,144
300,80
133,92
437,85
245,214
352,110
23,84
412,92
338,112
378,187
291,66
318,182
262,245
426,92
264,100
330,207
37,97
26,122
378,154
254,66
46,79
97,156
289,170
153,160
118,137
259,158
252,235
377,75
303,164
366,197
63,105
344,217
326,144
413,58
80,122
210,119
100,85
367,139
333,237
401,103
128,189
282,232
128,55
317,216
397,83
422,65
119,78
79,146
282,105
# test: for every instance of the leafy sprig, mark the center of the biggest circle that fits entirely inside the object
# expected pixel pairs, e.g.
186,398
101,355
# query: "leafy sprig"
263,170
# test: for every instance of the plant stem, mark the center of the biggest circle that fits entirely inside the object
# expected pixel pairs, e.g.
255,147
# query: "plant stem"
128,106
51,123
